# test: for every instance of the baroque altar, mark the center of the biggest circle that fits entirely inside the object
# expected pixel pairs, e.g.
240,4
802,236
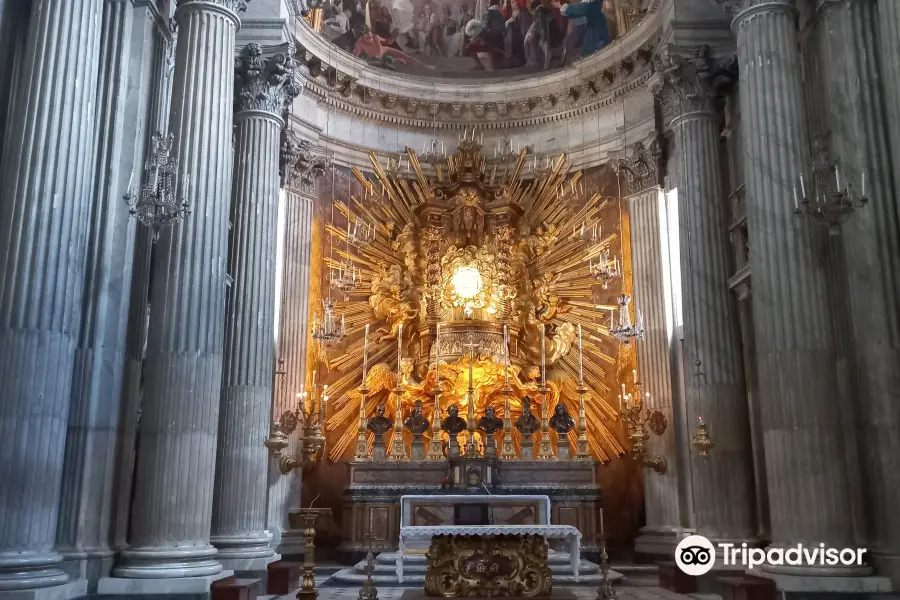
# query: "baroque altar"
476,350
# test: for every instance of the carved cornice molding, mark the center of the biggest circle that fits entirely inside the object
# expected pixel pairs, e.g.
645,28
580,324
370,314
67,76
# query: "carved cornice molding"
741,9
346,84
642,168
692,84
300,164
265,83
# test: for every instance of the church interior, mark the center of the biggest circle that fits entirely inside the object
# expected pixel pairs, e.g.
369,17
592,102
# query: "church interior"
406,299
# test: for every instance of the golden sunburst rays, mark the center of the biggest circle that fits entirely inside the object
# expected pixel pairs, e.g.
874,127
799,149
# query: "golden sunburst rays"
565,234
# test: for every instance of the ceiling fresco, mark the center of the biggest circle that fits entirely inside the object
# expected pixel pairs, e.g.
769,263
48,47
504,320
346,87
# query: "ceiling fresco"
465,37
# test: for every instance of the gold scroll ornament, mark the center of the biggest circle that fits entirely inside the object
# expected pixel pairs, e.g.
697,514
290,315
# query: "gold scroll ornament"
488,566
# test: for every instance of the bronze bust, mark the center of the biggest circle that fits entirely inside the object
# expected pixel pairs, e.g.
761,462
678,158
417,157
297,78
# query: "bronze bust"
416,422
561,421
490,423
379,424
527,423
453,424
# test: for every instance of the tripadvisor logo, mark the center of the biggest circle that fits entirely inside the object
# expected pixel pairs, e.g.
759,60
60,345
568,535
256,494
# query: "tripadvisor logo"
695,555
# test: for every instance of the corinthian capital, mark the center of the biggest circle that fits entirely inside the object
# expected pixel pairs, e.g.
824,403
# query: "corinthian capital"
236,6
299,164
642,168
736,7
265,83
692,83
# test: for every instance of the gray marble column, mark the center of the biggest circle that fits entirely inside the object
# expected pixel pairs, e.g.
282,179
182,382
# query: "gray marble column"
265,85
156,29
723,482
172,509
655,273
805,464
45,211
88,486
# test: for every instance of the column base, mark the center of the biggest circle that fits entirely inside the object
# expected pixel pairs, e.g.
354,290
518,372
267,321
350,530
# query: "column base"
887,565
817,584
91,566
66,591
291,546
244,565
246,547
118,586
656,542
167,563
31,570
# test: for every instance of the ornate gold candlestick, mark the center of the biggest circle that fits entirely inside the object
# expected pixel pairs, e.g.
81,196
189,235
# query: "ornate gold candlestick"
582,447
471,446
308,582
545,447
312,442
508,447
637,419
435,447
398,447
362,444
368,591
606,590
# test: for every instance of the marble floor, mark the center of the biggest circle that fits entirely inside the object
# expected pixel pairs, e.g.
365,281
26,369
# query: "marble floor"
581,593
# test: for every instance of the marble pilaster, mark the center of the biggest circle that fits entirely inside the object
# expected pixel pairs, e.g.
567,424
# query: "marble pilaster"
864,128
45,213
84,530
265,87
159,82
805,464
722,483
172,511
299,169
655,272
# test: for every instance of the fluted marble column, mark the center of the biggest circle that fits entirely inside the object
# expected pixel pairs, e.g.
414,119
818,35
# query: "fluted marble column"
723,483
45,209
172,511
805,464
159,99
89,488
654,261
265,87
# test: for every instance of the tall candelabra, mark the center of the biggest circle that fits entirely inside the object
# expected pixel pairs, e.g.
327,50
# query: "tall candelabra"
398,447
362,445
507,447
471,446
435,447
545,447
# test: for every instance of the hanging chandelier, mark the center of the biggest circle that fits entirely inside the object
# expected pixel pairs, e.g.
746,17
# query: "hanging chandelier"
605,270
625,330
360,233
344,278
159,203
328,330
433,151
829,203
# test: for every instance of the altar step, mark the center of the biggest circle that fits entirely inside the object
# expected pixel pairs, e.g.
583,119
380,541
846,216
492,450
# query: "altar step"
635,575
414,567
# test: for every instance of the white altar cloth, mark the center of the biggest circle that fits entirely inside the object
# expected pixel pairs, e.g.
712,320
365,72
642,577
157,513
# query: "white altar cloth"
406,502
550,532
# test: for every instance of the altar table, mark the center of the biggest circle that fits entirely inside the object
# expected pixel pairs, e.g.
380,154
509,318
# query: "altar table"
507,509
548,532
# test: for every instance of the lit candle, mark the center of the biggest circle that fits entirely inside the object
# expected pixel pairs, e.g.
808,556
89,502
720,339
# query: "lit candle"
623,390
634,374
300,400
314,381
506,351
543,358
322,404
365,354
399,350
700,418
610,321
796,202
580,357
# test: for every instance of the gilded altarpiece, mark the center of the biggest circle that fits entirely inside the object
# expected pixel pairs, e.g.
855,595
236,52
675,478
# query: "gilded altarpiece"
474,246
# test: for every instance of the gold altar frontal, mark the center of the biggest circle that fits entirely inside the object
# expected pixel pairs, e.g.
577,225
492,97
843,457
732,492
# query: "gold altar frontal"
488,566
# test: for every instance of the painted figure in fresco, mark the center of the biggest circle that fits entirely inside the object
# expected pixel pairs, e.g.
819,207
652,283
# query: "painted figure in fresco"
487,36
434,36
373,47
544,35
490,423
561,421
596,30
527,423
416,422
379,424
453,424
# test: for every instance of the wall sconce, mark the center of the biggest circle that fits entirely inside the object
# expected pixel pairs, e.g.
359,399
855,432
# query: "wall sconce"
701,440
312,443
637,420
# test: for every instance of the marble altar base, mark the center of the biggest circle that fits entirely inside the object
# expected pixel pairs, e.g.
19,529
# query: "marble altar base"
557,594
